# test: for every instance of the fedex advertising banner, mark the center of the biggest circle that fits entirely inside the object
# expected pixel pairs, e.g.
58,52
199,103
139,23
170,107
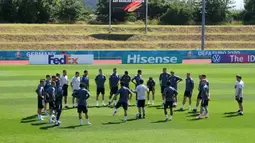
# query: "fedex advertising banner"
233,58
61,59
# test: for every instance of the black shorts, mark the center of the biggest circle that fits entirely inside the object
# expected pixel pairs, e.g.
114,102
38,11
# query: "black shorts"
74,93
58,106
239,100
204,103
40,104
199,95
162,89
114,90
123,104
82,109
168,104
46,99
100,90
152,89
140,103
188,94
52,105
65,90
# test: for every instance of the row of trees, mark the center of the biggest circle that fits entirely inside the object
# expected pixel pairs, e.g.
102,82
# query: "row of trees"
163,11
42,11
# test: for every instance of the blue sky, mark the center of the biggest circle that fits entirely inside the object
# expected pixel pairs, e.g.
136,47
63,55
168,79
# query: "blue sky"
239,4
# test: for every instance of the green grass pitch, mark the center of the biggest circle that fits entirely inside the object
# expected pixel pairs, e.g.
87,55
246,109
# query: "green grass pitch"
18,101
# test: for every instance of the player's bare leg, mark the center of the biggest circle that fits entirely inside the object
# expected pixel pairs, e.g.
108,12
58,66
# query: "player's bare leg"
183,102
87,119
190,101
171,113
166,114
80,118
197,104
97,99
45,108
201,112
241,108
153,97
163,99
65,101
148,97
143,112
139,112
206,112
125,116
102,99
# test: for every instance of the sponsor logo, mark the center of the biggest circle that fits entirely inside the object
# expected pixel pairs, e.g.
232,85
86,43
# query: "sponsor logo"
133,6
216,58
138,59
64,59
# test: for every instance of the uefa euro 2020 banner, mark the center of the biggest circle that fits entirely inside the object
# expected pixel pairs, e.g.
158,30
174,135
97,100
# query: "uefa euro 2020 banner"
233,58
128,6
152,58
61,59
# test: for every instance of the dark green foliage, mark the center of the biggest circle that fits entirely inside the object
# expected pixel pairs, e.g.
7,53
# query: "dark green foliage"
42,11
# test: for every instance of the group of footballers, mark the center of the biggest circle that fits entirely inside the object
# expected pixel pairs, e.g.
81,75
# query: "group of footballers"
53,89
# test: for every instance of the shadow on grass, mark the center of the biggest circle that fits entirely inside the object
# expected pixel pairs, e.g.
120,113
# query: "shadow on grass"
97,106
39,124
68,108
29,117
227,113
112,123
28,121
232,115
193,115
155,106
71,127
191,112
160,121
194,119
180,110
120,122
47,127
115,37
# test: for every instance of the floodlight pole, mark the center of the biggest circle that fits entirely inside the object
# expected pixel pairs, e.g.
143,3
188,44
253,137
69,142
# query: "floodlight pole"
110,15
203,26
146,16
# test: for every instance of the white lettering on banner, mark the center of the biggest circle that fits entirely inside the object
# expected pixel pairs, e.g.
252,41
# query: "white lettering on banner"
61,59
251,58
236,59
209,53
151,60
40,53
